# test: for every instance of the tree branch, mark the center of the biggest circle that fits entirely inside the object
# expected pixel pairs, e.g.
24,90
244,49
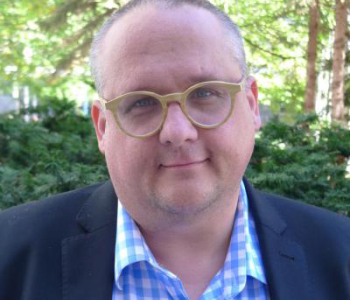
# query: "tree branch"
92,25
59,17
267,51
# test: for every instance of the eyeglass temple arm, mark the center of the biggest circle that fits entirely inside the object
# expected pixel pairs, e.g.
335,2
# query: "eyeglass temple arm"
102,102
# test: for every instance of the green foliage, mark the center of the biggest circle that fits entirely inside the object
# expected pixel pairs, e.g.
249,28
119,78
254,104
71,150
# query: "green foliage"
44,45
49,156
305,161
57,153
275,35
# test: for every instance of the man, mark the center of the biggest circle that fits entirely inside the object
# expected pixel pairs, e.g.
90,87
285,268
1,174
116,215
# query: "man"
176,123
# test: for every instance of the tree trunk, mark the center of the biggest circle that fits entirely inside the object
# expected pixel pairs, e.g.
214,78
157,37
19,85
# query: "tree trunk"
311,86
339,51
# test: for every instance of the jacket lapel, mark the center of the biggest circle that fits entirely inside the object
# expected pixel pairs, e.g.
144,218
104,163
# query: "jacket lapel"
88,259
284,260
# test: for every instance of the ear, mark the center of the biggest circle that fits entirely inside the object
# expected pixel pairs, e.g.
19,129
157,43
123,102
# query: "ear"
252,96
99,119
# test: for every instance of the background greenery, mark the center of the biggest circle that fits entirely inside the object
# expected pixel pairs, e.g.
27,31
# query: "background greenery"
55,154
44,45
305,160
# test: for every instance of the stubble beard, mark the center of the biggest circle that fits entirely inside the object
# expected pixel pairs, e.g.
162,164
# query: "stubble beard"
186,211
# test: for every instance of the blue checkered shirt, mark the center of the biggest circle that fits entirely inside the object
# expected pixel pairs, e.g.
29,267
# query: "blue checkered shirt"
137,275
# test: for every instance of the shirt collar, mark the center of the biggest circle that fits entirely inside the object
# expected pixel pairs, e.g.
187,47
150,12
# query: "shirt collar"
253,254
243,258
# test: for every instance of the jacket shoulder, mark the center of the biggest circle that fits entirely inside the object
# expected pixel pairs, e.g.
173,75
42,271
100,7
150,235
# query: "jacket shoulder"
302,215
313,242
31,237
31,220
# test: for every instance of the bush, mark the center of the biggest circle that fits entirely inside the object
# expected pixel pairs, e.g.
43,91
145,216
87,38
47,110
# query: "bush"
55,154
306,160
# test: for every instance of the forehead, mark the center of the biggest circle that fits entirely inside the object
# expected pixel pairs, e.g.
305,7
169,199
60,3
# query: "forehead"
179,46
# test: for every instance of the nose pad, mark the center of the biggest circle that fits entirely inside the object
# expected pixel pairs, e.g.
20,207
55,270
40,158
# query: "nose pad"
177,128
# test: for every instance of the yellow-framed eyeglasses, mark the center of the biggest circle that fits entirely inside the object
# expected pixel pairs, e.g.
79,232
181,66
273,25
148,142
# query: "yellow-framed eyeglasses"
207,105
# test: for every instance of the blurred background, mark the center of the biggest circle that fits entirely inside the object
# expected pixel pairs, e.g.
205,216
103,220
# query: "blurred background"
297,49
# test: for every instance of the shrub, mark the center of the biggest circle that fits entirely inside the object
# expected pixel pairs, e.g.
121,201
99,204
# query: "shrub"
306,160
55,154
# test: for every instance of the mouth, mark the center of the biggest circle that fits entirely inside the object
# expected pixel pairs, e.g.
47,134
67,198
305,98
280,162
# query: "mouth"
183,164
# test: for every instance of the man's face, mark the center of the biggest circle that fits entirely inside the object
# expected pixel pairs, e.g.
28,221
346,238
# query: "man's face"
182,170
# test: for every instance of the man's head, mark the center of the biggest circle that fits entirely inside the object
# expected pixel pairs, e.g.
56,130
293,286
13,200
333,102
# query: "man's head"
183,171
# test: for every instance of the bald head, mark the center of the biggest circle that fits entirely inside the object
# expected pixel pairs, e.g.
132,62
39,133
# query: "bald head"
232,34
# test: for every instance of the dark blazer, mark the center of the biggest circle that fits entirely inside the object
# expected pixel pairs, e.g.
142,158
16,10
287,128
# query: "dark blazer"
62,248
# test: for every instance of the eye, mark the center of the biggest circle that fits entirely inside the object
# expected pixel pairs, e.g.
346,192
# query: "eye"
138,105
202,93
144,102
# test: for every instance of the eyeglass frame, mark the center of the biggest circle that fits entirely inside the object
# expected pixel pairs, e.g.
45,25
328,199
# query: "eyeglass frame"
112,105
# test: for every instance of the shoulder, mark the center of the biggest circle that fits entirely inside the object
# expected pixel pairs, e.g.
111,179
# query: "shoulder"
310,242
314,227
297,213
297,220
37,217
32,237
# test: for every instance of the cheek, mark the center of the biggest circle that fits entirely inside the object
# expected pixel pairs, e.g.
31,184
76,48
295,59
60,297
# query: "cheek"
242,124
118,151
127,158
234,143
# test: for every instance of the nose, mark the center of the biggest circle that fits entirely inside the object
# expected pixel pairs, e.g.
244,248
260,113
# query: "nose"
177,128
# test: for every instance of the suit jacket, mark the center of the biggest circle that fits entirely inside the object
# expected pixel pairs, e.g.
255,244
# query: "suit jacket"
62,248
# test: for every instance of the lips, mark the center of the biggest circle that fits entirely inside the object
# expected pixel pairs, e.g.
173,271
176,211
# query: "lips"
179,164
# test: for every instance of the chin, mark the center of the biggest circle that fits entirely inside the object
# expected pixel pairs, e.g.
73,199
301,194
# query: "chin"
186,201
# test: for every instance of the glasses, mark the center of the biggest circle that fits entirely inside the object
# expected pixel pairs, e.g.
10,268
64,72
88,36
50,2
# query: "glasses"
206,105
